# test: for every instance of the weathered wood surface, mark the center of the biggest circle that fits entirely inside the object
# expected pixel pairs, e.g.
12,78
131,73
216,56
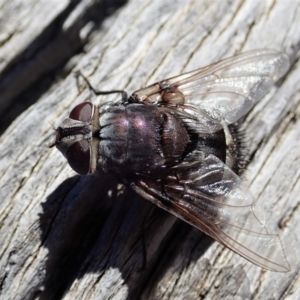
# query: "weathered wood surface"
68,237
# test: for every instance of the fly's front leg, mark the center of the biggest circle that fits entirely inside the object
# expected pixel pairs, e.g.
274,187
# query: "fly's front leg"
98,93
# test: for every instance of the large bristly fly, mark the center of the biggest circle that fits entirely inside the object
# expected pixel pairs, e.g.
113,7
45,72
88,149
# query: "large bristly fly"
176,143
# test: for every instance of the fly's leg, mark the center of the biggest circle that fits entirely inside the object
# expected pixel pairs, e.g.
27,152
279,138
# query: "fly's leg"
98,93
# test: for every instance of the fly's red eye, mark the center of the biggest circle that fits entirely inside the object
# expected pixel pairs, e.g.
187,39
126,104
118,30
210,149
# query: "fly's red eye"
78,156
82,112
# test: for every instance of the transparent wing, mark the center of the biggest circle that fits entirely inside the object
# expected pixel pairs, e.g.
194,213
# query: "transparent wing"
225,90
211,197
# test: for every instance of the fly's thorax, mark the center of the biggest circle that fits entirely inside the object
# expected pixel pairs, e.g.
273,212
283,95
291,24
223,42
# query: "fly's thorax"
140,139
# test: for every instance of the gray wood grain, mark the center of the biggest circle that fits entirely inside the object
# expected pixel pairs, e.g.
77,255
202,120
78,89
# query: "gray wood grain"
63,236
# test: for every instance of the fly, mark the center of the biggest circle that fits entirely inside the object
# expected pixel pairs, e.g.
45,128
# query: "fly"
178,145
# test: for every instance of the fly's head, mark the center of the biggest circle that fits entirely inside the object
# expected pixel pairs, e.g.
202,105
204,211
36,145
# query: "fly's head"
75,138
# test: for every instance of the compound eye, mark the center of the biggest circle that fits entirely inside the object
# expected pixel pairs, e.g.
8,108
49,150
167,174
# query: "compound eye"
82,112
78,156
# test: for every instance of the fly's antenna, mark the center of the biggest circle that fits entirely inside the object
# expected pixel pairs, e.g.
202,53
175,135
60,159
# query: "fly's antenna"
55,141
52,125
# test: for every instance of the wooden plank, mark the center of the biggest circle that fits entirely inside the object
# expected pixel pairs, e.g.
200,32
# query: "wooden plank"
72,237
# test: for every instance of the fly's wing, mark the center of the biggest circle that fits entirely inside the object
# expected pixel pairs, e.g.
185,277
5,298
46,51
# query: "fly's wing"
210,196
201,190
225,90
